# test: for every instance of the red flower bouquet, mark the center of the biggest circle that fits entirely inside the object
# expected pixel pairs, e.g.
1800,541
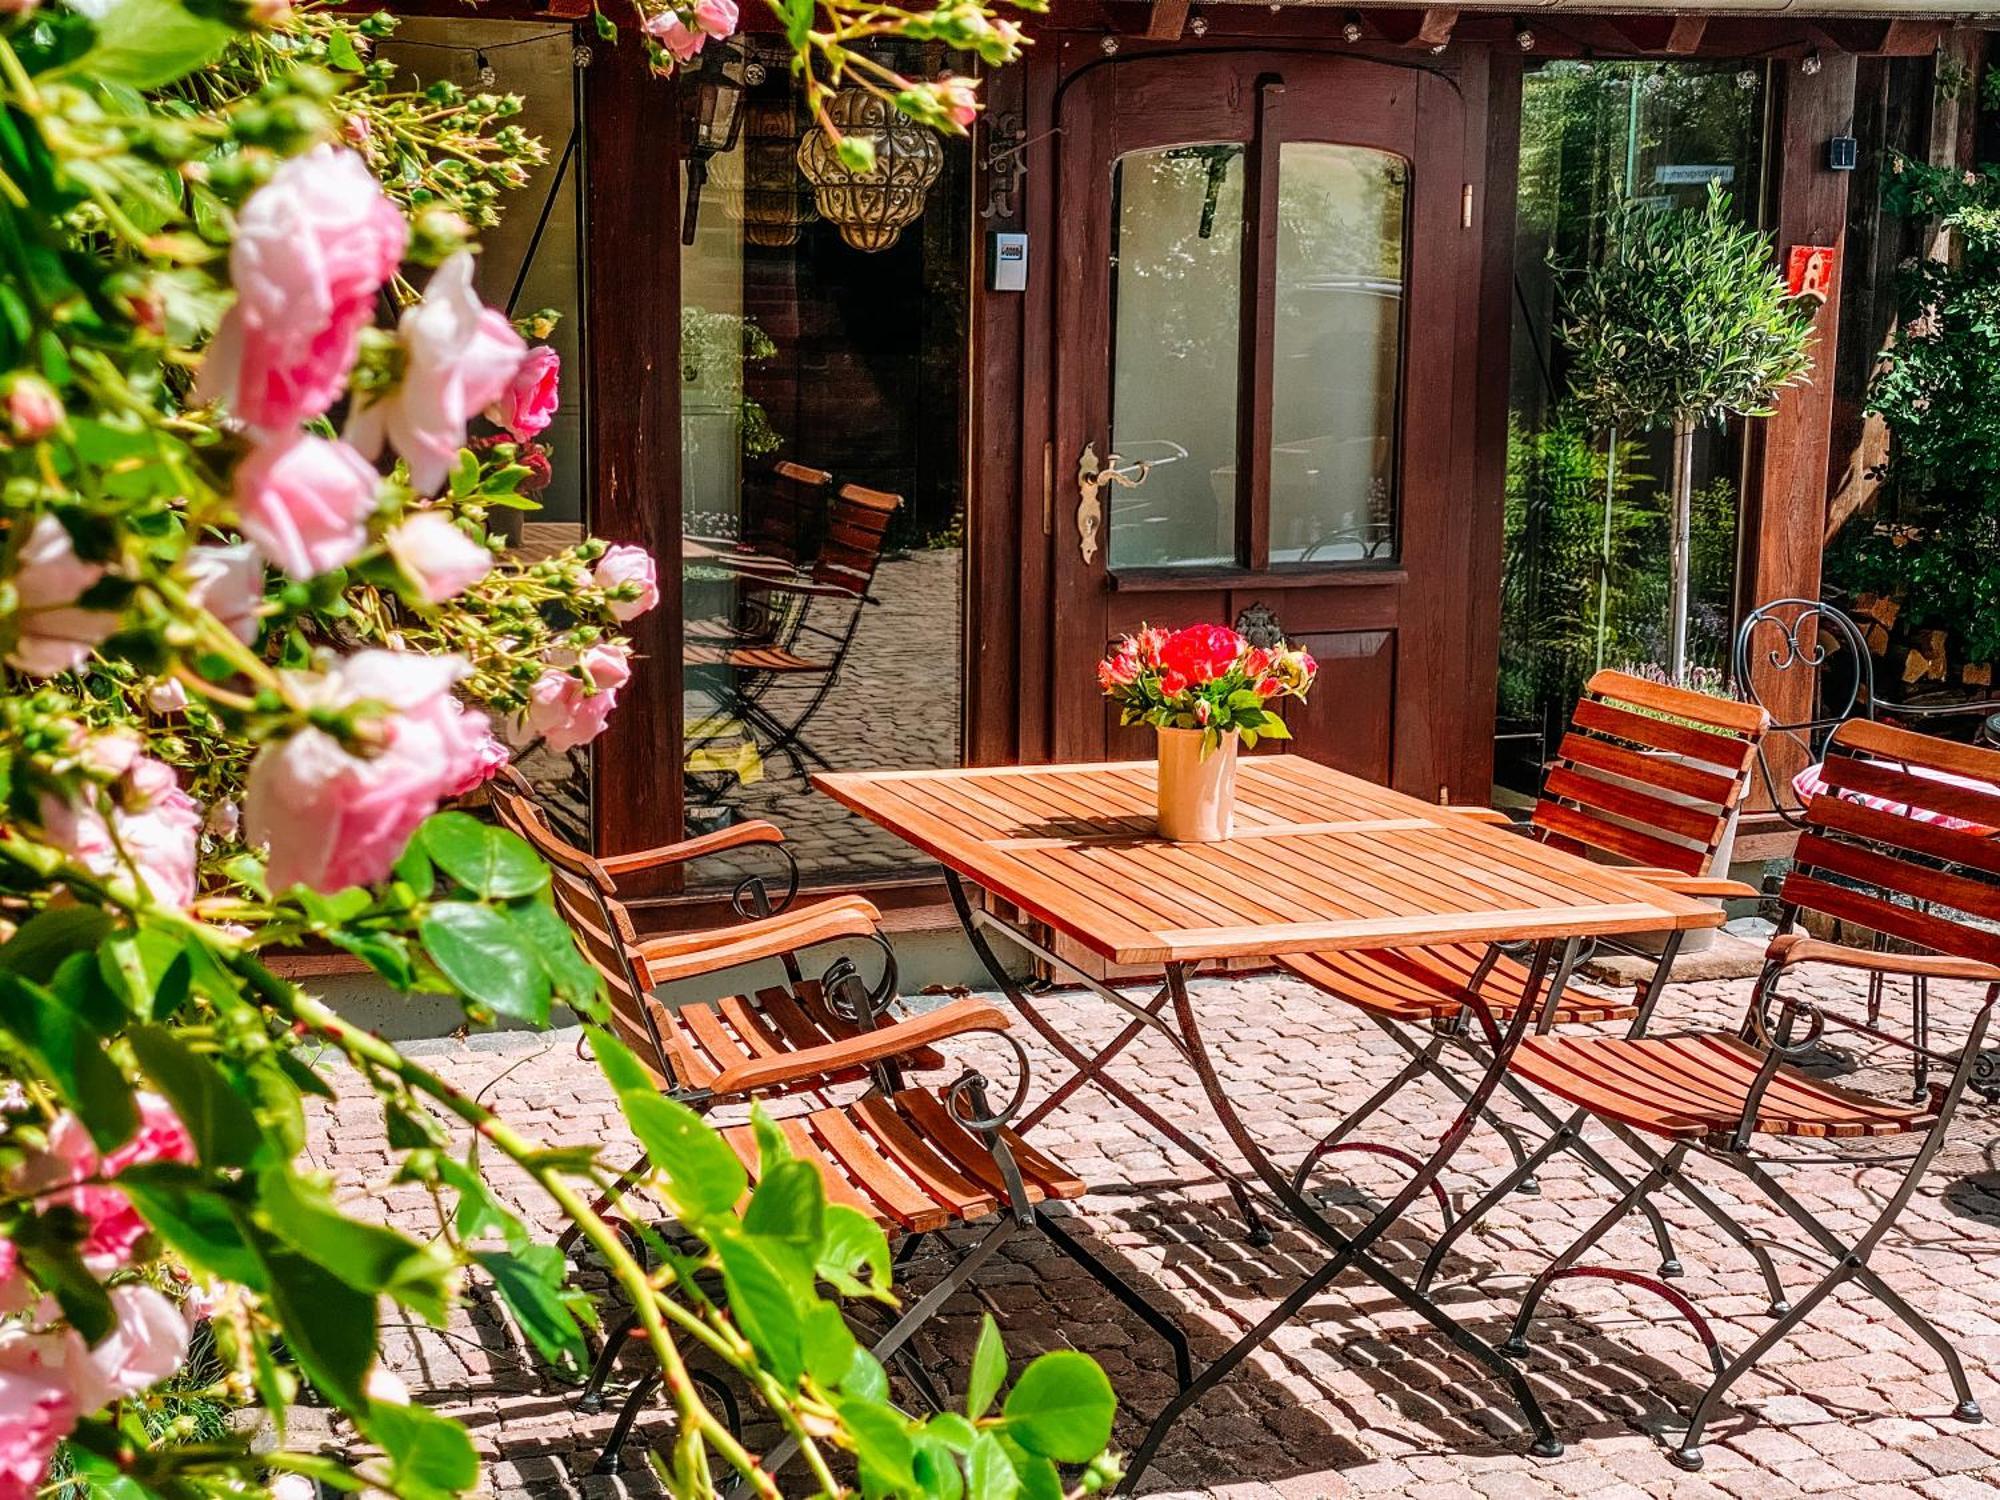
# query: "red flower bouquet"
1204,677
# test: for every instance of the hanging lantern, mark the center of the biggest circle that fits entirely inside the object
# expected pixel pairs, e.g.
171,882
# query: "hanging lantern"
771,201
714,113
871,208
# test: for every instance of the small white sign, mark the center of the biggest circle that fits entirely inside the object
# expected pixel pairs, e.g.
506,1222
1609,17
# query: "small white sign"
1694,172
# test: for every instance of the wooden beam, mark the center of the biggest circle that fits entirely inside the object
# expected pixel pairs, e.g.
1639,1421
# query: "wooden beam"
632,432
1430,26
1678,36
1166,20
1439,21
1786,510
1878,37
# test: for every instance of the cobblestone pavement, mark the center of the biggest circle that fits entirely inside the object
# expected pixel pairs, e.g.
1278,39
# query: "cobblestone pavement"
1358,1397
896,706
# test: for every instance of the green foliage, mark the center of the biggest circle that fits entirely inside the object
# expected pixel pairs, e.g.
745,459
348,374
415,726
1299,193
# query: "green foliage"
1683,318
1935,542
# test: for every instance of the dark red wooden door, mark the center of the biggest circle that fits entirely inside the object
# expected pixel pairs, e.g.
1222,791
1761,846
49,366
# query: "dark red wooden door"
1266,288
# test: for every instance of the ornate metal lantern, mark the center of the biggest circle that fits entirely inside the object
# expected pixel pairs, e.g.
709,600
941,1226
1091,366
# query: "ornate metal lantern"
714,115
772,200
871,208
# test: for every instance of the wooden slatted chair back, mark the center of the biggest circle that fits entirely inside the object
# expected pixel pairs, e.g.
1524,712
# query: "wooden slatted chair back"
584,897
856,524
786,506
1649,773
1919,861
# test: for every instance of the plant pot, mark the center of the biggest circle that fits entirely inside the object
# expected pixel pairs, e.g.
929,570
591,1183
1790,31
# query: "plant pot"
1197,794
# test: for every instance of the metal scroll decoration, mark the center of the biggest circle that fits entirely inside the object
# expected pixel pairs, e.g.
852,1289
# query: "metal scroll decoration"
871,208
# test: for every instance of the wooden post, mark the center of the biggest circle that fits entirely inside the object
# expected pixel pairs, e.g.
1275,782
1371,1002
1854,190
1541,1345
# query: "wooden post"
632,298
1786,509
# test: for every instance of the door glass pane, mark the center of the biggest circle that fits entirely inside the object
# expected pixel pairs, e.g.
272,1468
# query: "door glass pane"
1336,353
1176,277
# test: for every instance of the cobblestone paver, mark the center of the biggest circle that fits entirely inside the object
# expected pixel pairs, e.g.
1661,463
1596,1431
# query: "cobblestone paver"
1358,1397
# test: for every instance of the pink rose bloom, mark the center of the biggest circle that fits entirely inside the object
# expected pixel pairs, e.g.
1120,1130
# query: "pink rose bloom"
305,502
960,98
147,1344
459,356
485,764
333,819
228,582
715,17
529,404
439,558
143,825
37,1407
34,410
681,40
66,1175
160,1137
313,247
53,634
622,566
566,710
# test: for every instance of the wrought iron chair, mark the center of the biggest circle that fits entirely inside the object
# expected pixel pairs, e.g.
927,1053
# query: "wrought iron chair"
1647,773
1809,636
1731,1097
921,1161
808,629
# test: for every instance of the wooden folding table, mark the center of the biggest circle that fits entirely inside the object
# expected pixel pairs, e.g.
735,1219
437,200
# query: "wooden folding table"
1320,861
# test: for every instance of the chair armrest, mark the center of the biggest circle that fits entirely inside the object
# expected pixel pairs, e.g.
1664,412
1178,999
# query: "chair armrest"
1482,815
803,586
689,955
1797,948
884,1041
1716,887
733,837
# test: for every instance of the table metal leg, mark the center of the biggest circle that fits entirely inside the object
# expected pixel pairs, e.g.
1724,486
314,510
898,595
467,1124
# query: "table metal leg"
1352,1250
1091,1069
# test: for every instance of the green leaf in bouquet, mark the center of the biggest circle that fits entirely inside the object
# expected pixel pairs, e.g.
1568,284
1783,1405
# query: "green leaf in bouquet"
147,44
387,953
428,1455
936,1468
367,1257
703,1175
480,1213
413,867
574,980
42,942
989,1369
47,1244
1061,1407
827,1344
772,1147
763,1304
219,1120
487,861
148,970
621,1069
530,1282
881,1440
330,1328
72,1057
487,957
853,1254
866,1377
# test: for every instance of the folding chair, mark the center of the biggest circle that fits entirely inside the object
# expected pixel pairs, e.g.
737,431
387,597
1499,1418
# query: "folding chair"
920,1161
1776,643
1647,773
810,627
1730,1097
784,520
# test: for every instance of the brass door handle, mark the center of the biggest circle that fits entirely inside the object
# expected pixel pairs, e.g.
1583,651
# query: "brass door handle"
1092,477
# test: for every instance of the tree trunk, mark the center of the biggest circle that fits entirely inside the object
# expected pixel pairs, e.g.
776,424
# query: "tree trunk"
1680,542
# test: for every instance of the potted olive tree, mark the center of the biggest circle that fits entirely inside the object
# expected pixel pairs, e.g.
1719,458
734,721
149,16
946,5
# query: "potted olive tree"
1684,319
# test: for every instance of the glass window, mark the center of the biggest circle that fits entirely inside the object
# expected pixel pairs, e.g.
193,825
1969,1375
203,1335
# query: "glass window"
822,481
1176,305
1336,352
1585,579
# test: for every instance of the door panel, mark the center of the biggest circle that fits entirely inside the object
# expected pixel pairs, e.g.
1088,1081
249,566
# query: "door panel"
1261,280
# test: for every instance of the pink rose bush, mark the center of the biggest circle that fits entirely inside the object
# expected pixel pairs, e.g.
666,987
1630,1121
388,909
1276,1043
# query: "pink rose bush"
53,632
228,582
572,701
530,401
305,502
436,556
333,817
684,35
137,822
629,579
460,356
313,247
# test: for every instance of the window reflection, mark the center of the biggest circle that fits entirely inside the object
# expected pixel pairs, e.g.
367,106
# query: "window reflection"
1336,352
1176,278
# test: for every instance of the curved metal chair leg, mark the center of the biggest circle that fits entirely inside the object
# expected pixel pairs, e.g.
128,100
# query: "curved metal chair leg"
1688,1455
1105,1277
610,1460
591,1401
1420,1062
1968,1408
1486,1204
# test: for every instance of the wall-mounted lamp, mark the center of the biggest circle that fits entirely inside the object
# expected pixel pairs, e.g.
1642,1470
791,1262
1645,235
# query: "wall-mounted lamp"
714,115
